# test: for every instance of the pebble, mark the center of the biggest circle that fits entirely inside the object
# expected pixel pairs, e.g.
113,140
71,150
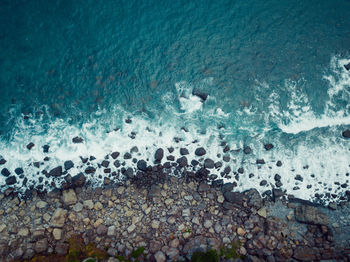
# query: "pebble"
208,223
160,257
241,231
131,228
89,204
41,204
57,233
155,224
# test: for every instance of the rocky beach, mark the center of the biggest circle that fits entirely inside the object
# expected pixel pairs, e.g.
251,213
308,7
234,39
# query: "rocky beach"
167,212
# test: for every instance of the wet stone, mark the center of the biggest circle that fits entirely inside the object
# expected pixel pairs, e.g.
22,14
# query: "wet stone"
77,140
78,180
209,163
279,163
116,163
30,146
260,161
46,148
241,170
11,180
200,151
182,161
183,151
247,150
90,170
346,133
159,154
127,156
263,183
19,170
5,172
115,155
68,164
268,146
142,165
57,171
2,161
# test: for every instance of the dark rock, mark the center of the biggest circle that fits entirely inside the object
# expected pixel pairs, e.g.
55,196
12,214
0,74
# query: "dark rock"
226,149
90,170
142,165
226,158
277,177
127,156
346,133
78,180
159,154
203,187
77,140
218,164
260,161
107,170
128,121
115,155
46,148
234,197
36,164
184,151
170,158
92,158
129,172
263,183
254,198
182,161
209,163
268,146
278,184
41,245
171,149
227,170
218,183
279,163
68,164
251,175
310,215
154,191
241,170
11,180
84,160
2,161
203,173
5,172
347,66
304,253
30,146
19,171
105,163
134,149
229,206
116,163
277,193
57,171
299,178
200,151
194,162
200,94
247,150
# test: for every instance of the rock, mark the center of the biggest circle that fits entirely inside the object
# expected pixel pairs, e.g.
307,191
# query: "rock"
61,248
203,187
40,245
254,198
218,164
5,172
200,151
159,154
69,197
57,233
155,224
19,170
129,172
154,191
217,228
41,204
30,145
277,193
299,178
200,94
77,140
46,148
263,182
240,170
347,66
28,254
23,232
78,180
142,165
260,161
182,161
159,257
234,197
247,150
241,231
279,163
310,215
184,151
127,155
101,230
18,253
11,180
209,163
2,161
90,170
58,218
88,204
208,224
111,231
57,171
115,155
68,164
304,253
78,207
346,133
268,146
262,212
116,163
131,228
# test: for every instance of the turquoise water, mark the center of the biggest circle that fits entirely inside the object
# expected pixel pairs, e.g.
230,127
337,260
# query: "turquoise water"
274,72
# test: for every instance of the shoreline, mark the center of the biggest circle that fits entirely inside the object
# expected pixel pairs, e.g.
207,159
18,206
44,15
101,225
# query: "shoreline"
172,218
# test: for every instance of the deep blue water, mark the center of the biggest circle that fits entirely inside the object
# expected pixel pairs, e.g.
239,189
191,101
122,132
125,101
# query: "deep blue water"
273,71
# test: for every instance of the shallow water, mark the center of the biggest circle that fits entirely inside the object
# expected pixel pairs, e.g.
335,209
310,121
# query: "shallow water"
274,72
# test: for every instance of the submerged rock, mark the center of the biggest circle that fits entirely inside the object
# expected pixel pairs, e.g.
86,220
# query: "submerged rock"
30,145
77,140
57,171
247,150
268,146
200,94
346,133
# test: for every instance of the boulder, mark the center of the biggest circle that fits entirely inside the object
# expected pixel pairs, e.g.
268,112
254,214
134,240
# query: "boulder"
200,151
90,170
57,171
19,170
78,180
77,140
5,172
182,161
30,146
58,218
142,165
69,197
68,164
184,151
115,155
209,163
2,161
159,154
304,253
234,197
202,95
105,163
11,180
346,133
310,215
129,172
41,245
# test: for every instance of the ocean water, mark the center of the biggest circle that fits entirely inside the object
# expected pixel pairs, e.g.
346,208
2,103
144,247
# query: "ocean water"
273,70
